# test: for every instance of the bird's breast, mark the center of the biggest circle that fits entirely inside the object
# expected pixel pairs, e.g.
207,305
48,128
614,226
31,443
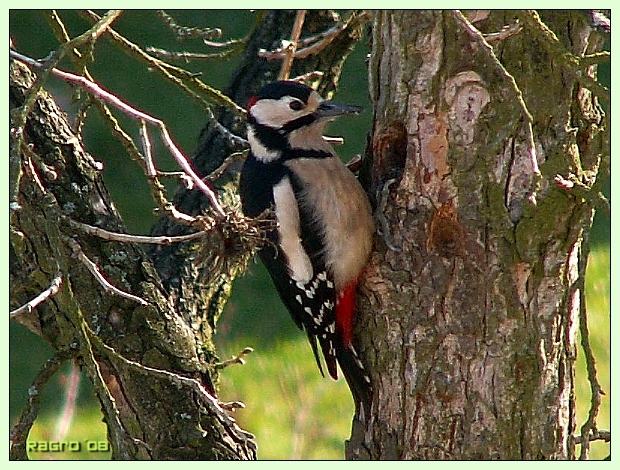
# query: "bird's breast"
342,213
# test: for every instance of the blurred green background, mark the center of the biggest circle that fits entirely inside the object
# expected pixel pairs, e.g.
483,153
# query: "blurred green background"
286,413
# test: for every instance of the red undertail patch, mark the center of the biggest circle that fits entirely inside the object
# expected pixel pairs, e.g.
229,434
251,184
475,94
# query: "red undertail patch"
345,309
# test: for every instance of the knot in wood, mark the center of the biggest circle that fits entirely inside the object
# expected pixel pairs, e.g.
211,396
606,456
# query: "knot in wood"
389,149
446,234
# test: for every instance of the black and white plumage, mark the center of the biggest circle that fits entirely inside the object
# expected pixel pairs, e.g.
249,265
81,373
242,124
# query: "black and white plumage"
325,228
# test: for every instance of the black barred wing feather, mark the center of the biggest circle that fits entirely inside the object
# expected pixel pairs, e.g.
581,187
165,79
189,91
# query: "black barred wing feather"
313,304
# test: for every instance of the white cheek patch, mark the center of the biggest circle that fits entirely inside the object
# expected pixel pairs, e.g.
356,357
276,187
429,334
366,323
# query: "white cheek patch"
273,113
287,213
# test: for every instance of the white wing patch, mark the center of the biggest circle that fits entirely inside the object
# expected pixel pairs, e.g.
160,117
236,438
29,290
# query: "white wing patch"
287,213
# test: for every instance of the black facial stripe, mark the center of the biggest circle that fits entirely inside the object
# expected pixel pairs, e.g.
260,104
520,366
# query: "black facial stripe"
299,122
275,139
268,136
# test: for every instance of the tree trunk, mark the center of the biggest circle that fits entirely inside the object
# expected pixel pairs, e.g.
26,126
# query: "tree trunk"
470,305
140,354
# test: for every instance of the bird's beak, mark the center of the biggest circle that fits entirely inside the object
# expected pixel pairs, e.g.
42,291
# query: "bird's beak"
333,109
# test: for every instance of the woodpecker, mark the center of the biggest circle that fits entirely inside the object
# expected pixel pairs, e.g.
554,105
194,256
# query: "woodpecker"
325,228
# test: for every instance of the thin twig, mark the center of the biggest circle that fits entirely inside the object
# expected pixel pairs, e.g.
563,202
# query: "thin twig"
157,189
186,32
187,56
309,77
115,101
94,270
506,32
589,428
39,299
230,42
287,63
206,34
602,57
149,165
597,436
126,238
314,44
233,405
20,115
186,80
238,359
232,138
580,189
232,158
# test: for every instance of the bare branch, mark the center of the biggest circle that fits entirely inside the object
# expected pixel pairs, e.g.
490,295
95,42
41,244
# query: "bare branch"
20,116
291,47
126,238
115,101
232,158
309,77
39,299
149,165
233,405
187,56
588,428
506,32
573,184
185,32
597,436
94,270
314,44
186,80
232,138
238,359
602,57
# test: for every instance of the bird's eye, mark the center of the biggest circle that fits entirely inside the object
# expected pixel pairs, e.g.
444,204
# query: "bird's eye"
296,105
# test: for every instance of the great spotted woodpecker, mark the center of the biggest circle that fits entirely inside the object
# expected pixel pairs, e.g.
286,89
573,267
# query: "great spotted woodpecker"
324,220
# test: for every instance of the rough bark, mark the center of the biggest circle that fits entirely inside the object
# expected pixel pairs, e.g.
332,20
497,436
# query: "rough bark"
143,361
470,304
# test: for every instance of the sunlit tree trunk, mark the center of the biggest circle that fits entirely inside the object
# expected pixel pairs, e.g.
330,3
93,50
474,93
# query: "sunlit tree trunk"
470,304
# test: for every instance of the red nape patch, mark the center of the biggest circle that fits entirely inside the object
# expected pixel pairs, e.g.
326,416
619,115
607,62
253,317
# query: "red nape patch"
345,310
252,102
